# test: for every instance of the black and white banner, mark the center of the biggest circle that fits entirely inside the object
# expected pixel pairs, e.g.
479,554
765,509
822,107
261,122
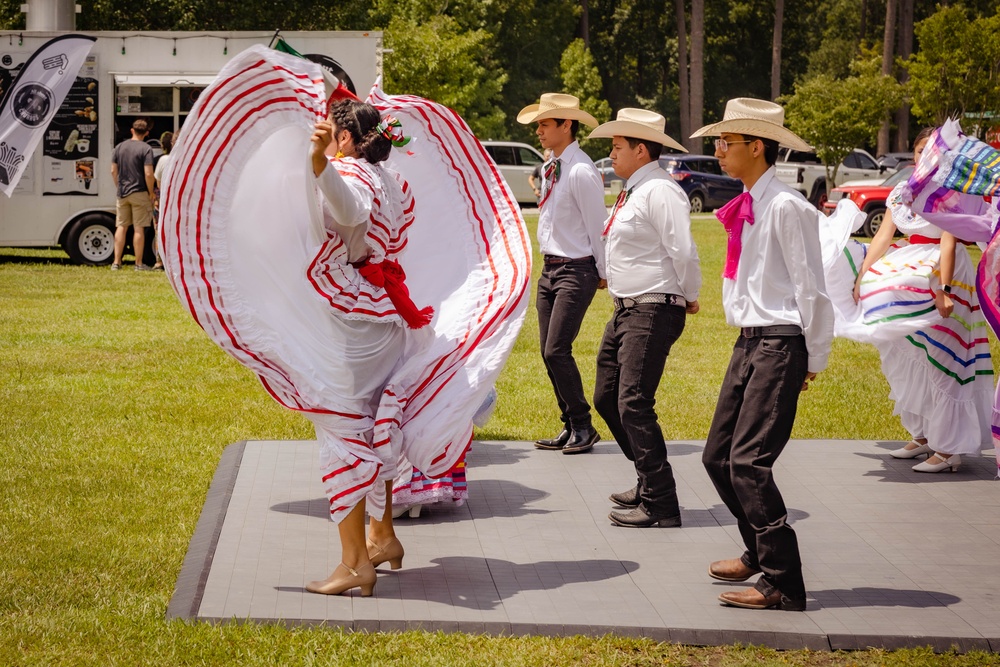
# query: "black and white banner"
33,99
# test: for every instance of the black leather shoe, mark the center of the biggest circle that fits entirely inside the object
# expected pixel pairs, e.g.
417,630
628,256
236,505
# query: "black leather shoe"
581,440
638,518
628,498
557,442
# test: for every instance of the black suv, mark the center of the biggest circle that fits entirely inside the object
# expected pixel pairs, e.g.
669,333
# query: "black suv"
702,179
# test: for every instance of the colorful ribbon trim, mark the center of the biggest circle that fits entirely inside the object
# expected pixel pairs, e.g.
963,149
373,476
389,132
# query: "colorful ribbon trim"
392,129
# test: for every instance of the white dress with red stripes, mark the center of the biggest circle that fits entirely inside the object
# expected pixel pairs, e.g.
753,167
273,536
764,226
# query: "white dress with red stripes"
252,250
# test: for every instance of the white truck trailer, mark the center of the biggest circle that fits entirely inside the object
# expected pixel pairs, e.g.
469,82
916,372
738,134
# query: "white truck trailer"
66,196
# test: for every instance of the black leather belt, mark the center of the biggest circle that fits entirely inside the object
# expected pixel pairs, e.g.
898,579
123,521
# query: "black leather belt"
555,259
775,330
629,301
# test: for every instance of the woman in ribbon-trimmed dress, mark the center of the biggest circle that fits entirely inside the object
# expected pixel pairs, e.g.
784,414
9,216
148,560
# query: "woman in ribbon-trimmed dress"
956,186
287,225
916,301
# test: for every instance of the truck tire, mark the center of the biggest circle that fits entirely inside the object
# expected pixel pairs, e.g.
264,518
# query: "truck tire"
91,240
697,202
873,221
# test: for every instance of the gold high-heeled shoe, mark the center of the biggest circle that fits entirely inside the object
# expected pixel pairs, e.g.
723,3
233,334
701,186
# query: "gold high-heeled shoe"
340,582
952,462
392,552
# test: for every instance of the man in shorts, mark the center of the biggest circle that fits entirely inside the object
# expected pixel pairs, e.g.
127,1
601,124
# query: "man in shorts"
132,172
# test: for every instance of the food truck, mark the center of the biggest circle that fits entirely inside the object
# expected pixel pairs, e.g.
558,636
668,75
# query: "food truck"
66,196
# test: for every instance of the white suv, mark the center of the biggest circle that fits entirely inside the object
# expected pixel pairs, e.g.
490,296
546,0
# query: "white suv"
516,162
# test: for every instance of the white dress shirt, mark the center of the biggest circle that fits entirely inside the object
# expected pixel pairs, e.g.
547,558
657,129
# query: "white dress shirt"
572,219
780,275
649,245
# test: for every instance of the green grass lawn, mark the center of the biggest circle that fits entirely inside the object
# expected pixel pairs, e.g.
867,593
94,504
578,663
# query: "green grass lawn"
115,408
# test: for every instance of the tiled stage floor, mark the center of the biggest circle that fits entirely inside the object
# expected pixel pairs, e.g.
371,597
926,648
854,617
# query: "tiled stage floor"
892,558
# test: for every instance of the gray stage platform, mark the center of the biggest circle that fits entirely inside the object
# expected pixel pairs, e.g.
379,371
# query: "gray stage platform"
892,558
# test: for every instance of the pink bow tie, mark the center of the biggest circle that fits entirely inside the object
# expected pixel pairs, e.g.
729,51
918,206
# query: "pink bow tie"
732,216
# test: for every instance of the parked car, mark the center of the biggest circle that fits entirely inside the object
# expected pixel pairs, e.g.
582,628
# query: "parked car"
804,172
869,198
896,160
608,174
516,162
701,177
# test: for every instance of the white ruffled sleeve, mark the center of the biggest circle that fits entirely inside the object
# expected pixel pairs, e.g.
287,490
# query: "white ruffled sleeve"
350,204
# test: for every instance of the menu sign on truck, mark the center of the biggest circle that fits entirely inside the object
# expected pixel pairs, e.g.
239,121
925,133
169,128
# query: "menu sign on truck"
70,163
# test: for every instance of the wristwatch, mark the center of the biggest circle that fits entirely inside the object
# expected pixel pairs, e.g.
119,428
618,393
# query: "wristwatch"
946,289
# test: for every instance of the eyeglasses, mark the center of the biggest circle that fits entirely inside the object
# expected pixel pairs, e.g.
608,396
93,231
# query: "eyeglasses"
723,145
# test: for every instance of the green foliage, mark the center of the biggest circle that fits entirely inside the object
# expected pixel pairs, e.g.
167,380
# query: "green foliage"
438,60
580,77
837,115
11,17
956,71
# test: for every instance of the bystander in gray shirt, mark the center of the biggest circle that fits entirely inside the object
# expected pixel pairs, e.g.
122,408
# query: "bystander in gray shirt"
131,156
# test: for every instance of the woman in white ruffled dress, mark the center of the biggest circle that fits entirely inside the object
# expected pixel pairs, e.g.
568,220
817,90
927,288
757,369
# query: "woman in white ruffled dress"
286,227
917,304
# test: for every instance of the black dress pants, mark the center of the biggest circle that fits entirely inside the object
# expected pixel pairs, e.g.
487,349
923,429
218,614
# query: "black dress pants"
630,364
752,423
564,293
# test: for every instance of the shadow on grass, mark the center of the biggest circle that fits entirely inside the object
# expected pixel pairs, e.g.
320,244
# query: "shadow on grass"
7,258
484,583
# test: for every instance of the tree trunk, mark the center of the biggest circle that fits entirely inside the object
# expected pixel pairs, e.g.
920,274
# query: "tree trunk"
779,16
864,22
585,22
697,68
905,48
887,56
682,76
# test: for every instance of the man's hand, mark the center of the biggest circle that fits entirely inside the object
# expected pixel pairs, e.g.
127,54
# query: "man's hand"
809,378
692,307
321,138
602,284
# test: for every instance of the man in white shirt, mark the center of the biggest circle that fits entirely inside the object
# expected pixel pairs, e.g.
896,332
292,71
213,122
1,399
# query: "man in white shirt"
654,278
773,289
570,219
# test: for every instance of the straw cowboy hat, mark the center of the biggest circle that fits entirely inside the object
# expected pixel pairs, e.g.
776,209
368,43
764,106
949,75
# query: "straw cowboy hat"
637,124
757,118
555,105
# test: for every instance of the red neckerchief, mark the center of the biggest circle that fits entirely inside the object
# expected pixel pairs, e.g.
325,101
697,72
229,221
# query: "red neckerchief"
549,178
622,198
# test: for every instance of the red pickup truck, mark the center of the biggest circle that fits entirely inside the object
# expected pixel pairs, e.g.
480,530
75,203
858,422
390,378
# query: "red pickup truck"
869,198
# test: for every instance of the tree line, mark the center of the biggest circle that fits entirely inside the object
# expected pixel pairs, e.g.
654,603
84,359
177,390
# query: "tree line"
869,64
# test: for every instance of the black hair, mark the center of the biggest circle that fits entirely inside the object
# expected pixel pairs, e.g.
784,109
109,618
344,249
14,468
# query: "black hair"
360,120
167,142
770,148
574,129
653,148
